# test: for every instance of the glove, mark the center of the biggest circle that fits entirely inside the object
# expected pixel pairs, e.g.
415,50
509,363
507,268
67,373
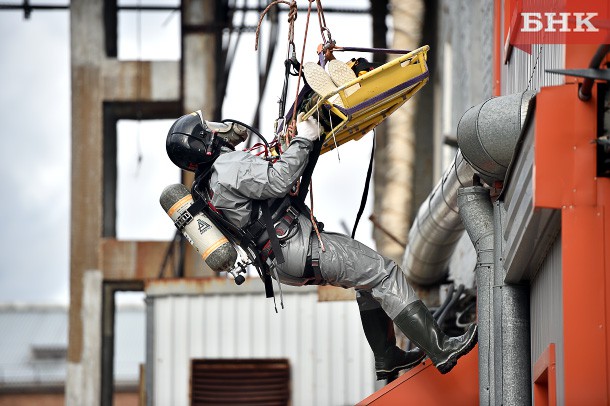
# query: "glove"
308,129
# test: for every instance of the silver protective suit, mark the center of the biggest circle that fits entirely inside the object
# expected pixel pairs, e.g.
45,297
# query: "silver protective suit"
239,177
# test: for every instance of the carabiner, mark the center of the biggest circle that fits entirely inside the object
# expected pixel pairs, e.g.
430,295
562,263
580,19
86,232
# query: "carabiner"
293,48
328,42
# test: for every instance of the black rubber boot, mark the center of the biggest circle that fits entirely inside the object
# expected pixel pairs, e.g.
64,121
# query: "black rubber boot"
379,332
419,325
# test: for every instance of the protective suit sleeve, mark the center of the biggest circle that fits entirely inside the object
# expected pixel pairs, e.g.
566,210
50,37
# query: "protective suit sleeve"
255,178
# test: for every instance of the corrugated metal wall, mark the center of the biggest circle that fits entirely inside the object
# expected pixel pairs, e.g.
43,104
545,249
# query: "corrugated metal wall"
528,232
466,28
527,71
331,361
546,312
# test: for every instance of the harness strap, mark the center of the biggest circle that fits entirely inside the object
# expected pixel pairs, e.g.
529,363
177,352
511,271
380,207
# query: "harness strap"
313,261
229,230
236,235
275,242
282,228
185,218
257,228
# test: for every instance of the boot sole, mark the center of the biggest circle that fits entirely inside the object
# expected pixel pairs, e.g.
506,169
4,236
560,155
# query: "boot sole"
340,73
384,374
320,81
448,365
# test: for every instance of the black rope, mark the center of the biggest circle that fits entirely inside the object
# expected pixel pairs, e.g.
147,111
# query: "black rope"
365,192
249,127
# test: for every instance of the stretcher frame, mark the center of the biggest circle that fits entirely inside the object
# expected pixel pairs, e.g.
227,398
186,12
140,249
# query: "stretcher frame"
372,97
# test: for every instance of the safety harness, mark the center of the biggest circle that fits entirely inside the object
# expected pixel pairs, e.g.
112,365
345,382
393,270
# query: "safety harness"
271,221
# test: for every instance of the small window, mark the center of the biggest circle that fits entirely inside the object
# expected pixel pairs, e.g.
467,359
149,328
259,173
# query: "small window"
129,337
144,170
49,352
149,34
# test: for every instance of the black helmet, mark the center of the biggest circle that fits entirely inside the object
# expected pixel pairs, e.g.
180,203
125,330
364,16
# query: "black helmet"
190,142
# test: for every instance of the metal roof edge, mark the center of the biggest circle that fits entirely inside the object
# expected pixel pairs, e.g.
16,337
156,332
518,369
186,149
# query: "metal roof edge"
29,307
212,286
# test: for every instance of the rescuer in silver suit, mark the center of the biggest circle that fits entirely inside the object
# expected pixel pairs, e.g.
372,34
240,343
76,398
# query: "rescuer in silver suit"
236,180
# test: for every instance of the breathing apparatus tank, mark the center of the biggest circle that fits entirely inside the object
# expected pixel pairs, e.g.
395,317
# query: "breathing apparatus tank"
215,249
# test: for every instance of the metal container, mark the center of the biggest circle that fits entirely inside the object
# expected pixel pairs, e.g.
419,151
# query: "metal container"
331,362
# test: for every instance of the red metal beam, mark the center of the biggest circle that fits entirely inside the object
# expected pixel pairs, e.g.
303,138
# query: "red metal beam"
545,379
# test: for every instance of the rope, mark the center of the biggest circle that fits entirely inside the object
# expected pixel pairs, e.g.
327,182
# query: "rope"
292,16
294,110
322,21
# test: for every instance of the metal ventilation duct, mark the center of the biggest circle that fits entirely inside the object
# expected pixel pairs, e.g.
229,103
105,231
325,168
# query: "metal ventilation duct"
487,136
488,133
437,227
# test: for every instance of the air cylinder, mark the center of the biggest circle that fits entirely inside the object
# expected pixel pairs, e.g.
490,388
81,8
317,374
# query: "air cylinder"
213,246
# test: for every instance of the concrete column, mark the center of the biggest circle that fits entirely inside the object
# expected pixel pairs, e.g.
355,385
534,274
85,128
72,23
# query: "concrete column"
87,54
199,56
84,375
95,79
397,196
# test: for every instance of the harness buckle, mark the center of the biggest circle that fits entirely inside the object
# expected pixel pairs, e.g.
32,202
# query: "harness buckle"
185,218
293,212
284,224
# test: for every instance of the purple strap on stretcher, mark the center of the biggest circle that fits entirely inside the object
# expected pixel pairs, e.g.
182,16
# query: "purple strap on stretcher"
382,50
383,95
322,59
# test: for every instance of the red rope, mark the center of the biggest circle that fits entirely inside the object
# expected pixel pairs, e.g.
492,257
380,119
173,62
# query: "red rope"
292,16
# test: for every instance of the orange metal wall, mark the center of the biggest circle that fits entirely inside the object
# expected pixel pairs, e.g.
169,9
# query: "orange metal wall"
565,179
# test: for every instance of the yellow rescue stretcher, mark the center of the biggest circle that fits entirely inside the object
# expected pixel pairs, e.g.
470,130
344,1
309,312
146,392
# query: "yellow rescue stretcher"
372,97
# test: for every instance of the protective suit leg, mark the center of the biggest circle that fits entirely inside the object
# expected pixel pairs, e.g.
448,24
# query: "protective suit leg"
419,325
379,332
348,263
382,292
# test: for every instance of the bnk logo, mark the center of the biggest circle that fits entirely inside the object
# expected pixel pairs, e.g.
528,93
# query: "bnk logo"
558,22
534,22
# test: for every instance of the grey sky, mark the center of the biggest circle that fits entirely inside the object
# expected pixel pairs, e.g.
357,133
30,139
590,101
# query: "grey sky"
35,145
34,156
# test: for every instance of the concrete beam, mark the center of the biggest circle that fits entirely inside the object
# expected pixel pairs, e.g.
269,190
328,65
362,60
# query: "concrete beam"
141,80
141,260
